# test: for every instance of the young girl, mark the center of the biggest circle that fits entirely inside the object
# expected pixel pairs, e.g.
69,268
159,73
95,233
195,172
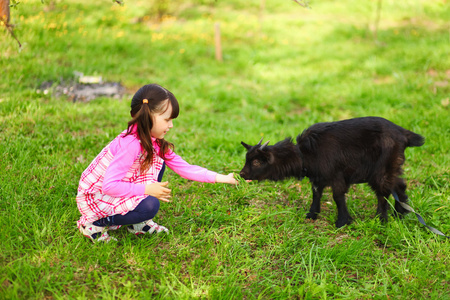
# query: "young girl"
122,186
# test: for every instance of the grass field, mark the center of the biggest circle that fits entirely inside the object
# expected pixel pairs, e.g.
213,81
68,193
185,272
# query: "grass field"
284,68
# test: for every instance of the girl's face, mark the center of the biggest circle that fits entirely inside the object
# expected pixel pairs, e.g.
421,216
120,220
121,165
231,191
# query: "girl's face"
162,122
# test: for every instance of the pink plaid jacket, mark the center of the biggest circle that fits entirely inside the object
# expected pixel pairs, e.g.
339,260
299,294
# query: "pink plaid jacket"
94,204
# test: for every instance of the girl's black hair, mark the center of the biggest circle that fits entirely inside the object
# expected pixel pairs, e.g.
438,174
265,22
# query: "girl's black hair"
141,114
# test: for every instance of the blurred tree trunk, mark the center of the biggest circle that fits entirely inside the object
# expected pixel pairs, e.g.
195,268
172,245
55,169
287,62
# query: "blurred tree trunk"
377,20
5,18
4,11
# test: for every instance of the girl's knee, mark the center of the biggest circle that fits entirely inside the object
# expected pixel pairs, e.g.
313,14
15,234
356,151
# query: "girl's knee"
150,205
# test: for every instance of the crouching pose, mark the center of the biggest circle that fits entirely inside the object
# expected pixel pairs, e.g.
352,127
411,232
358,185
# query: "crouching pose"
122,185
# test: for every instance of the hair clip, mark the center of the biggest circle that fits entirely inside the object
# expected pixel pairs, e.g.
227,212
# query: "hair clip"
145,101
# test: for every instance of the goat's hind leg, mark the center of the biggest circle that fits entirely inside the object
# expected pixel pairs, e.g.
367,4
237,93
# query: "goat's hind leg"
314,210
400,189
383,191
382,206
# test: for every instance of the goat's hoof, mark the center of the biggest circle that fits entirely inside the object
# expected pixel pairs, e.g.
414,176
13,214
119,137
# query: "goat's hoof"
399,211
399,214
383,219
311,215
343,222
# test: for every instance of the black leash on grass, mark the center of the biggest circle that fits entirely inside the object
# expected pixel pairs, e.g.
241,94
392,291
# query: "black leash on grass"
419,217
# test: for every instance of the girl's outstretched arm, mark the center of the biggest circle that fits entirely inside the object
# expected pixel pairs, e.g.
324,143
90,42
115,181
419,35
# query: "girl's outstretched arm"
226,178
194,172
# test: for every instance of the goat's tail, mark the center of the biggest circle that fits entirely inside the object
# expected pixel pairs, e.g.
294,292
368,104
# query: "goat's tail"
415,140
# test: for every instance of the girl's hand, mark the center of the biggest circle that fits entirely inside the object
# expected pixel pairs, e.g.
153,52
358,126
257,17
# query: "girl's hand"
158,190
226,178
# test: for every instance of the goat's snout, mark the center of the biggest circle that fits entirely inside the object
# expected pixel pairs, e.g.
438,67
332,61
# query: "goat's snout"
244,174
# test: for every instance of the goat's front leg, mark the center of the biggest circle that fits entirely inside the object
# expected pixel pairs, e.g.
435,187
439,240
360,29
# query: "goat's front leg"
339,192
314,210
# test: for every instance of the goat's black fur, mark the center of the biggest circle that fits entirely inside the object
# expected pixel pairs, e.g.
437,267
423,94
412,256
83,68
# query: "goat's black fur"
338,154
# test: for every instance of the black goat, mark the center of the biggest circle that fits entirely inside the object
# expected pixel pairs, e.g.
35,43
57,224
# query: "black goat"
338,154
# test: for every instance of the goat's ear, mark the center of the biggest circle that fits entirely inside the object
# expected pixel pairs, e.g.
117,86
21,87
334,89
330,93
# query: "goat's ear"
307,144
271,158
246,146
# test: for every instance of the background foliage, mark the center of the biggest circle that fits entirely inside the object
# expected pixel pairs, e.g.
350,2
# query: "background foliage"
284,68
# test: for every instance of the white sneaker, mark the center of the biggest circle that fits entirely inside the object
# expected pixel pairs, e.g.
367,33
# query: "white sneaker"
96,233
147,227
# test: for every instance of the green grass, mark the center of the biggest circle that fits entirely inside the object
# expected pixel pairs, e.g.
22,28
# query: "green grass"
283,70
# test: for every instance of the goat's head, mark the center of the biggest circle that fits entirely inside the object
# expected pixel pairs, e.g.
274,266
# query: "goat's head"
258,162
275,162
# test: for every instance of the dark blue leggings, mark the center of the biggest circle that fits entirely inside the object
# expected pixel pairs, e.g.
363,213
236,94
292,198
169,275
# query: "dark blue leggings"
147,209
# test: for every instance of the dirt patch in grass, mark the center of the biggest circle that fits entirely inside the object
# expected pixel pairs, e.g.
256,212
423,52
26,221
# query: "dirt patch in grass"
82,92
